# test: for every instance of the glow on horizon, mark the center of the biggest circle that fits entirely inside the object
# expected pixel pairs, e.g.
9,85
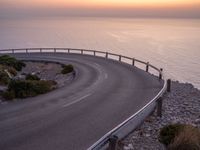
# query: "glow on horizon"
101,3
118,8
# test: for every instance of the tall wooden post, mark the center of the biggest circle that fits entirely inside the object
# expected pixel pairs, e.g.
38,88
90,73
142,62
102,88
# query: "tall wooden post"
106,54
120,57
147,67
159,107
160,74
133,62
169,85
113,141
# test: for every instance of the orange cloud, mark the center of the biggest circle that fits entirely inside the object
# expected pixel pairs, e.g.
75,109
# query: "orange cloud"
104,3
140,3
130,8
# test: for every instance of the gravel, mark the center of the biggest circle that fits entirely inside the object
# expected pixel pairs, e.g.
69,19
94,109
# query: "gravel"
47,71
182,105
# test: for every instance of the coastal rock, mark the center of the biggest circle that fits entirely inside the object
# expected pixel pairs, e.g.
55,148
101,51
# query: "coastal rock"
197,121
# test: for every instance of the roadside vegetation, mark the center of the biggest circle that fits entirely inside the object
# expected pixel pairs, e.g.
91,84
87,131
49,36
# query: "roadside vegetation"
9,61
32,77
180,137
22,85
8,68
4,78
67,69
27,88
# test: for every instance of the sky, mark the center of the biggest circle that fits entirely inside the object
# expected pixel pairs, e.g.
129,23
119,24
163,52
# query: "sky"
104,8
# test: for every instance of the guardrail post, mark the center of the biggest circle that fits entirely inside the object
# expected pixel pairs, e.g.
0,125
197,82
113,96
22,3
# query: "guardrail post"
106,54
54,50
68,50
147,67
113,141
82,52
160,74
13,51
169,85
120,57
94,53
26,50
159,107
40,50
133,62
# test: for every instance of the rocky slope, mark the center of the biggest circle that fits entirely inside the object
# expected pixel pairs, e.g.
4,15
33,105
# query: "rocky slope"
182,105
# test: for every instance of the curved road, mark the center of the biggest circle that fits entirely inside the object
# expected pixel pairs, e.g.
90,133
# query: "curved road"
103,94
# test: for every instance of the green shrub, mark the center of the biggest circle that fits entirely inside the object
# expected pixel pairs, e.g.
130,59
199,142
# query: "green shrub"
32,77
8,95
187,139
11,70
4,79
168,133
29,88
12,62
67,69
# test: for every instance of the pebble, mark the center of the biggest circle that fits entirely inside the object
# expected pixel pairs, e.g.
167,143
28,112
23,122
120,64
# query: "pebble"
197,121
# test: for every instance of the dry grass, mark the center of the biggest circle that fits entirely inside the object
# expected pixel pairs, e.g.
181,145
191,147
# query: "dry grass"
187,139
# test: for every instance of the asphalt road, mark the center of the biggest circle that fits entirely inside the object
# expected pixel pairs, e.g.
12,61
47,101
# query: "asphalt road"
102,95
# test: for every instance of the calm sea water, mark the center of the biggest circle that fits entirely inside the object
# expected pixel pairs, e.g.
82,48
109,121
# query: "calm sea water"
173,44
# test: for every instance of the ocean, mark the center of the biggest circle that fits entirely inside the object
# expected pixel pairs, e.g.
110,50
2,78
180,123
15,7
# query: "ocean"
171,44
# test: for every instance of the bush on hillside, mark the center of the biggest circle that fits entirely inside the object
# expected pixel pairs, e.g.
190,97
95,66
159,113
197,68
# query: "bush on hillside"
28,88
187,139
67,69
8,95
11,70
4,79
12,62
32,77
168,133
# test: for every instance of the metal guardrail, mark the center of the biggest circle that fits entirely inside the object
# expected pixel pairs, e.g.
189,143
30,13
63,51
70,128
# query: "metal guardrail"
112,136
82,51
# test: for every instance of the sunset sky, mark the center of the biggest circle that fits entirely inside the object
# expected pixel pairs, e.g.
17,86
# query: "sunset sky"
129,8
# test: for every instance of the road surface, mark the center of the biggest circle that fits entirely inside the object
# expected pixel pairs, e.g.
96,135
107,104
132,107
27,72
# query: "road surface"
102,95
